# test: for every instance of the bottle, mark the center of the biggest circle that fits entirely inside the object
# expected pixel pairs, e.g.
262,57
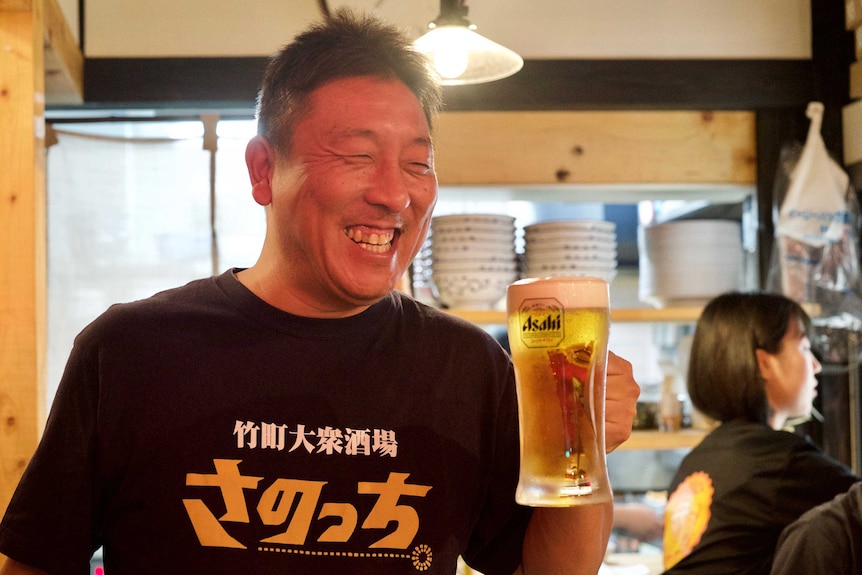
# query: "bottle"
670,405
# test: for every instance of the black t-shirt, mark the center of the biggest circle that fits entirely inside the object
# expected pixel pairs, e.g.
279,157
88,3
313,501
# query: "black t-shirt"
736,491
204,431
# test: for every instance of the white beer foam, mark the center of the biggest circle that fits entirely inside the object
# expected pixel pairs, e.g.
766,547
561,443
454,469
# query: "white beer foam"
574,291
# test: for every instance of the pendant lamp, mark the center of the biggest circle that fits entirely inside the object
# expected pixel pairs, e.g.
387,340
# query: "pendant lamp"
459,54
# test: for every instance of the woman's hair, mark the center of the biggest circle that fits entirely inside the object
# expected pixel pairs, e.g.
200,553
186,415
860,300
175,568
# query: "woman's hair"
724,380
345,45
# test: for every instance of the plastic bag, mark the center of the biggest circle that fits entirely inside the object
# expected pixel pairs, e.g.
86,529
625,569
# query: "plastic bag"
815,260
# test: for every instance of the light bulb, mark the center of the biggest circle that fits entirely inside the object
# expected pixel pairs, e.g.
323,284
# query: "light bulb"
450,62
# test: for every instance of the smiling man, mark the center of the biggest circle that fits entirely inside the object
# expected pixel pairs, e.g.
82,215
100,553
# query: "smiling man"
302,416
349,206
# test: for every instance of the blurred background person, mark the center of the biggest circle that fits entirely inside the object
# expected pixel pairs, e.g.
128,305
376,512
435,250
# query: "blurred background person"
751,369
826,539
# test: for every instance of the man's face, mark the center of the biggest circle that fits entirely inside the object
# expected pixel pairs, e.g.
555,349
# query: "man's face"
352,201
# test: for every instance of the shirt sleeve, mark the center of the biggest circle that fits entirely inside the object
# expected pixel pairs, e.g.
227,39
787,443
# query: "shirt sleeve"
53,507
825,540
817,555
497,543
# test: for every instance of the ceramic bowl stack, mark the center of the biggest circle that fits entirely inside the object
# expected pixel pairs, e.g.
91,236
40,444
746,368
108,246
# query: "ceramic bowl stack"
571,248
471,258
688,262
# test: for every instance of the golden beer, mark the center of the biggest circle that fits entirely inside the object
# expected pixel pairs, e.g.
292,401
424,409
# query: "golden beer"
558,334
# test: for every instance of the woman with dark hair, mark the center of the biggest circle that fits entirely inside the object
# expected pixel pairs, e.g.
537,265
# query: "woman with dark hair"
751,369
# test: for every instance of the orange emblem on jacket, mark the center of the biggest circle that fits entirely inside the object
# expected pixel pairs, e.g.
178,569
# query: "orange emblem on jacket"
686,516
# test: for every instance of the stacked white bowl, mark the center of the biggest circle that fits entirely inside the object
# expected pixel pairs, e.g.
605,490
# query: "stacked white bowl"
688,262
571,248
471,258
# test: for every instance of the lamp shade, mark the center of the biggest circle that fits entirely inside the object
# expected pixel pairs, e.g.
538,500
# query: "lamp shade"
461,56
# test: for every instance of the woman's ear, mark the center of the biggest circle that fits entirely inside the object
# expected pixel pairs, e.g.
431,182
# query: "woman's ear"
260,160
765,364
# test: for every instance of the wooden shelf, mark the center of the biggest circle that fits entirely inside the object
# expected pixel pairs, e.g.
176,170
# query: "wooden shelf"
669,314
628,315
662,440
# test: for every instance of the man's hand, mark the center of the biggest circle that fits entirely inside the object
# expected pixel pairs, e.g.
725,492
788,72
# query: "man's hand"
639,520
620,401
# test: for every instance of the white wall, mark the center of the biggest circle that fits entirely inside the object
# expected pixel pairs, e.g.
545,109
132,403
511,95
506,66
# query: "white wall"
535,28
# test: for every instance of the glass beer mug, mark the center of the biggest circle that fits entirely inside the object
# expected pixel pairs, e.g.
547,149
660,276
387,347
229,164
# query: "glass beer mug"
558,334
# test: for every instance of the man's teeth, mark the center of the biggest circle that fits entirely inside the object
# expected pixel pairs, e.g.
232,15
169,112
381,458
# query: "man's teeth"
374,242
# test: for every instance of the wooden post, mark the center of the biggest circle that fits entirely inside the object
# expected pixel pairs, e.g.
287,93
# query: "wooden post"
22,237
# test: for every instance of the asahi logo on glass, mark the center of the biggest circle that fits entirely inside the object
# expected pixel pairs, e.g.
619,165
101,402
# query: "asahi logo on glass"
542,322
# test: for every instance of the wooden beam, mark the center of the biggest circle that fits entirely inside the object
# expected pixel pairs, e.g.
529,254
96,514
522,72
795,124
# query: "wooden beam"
595,147
22,241
16,5
640,84
542,85
64,62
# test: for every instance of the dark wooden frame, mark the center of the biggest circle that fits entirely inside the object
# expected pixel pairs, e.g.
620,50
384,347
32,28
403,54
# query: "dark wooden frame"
540,85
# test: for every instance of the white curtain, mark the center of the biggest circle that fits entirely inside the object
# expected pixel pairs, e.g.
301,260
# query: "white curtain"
240,223
126,218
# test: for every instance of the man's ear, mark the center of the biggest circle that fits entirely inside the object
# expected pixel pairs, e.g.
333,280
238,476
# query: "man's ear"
260,160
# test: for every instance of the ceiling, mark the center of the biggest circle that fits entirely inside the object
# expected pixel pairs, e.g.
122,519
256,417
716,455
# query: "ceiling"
539,29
